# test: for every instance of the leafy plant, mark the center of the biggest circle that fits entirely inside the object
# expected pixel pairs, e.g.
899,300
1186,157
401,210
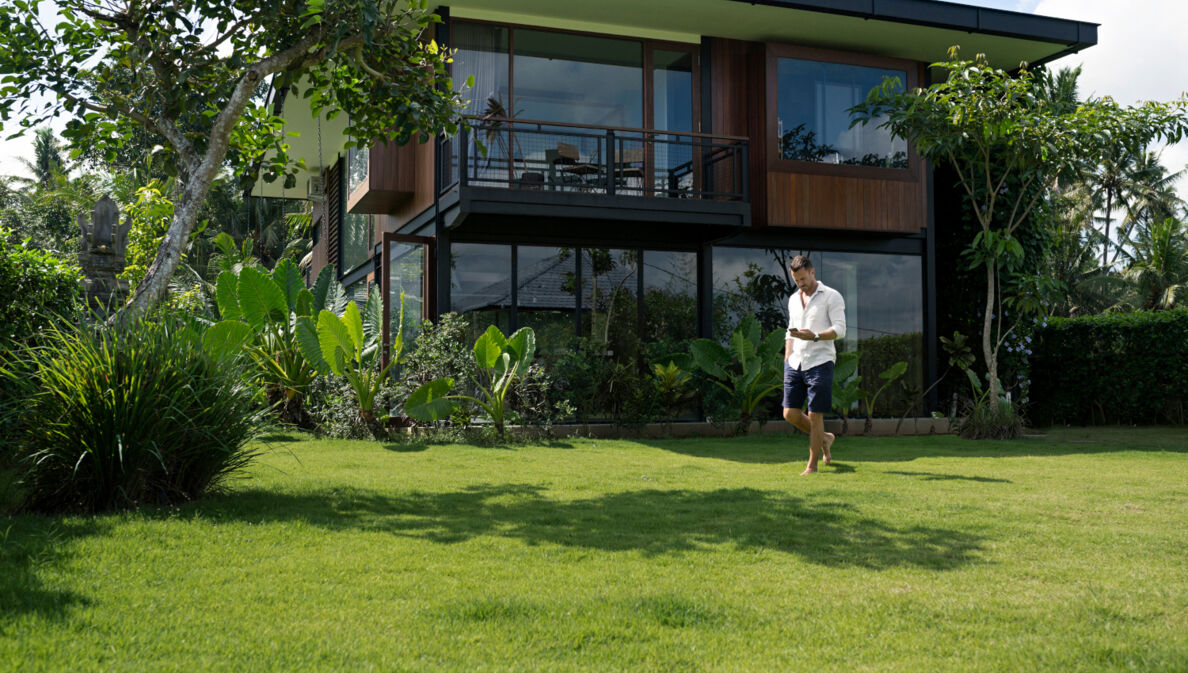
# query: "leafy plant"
349,346
500,362
845,386
889,376
674,386
37,289
142,414
749,371
260,314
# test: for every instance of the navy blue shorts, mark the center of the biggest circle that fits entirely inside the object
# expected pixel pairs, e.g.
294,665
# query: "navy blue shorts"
815,384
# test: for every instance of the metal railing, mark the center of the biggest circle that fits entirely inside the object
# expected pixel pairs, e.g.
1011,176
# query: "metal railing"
551,156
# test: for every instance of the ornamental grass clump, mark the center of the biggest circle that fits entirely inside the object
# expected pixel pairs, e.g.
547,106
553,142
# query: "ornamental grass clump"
115,417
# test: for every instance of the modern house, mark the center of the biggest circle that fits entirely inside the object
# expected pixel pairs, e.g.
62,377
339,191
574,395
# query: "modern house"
648,166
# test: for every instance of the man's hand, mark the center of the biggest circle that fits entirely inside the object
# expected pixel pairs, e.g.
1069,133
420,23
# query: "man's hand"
805,334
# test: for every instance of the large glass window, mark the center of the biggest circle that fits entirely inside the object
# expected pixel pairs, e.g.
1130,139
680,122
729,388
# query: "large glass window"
609,286
546,296
406,282
357,165
884,306
481,286
357,240
813,119
670,295
578,79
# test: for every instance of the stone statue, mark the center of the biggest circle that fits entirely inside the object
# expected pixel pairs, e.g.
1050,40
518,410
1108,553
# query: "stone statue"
104,243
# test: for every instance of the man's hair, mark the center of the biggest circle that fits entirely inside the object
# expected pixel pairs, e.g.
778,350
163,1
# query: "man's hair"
800,262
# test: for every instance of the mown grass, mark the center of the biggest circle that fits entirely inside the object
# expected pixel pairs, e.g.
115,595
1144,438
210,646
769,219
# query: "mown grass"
1061,553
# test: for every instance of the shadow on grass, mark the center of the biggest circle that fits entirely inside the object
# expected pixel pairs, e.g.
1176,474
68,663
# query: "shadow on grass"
29,543
648,521
933,476
791,448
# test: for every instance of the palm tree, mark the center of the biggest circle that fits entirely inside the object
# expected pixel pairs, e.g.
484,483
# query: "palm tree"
47,160
1157,262
1154,197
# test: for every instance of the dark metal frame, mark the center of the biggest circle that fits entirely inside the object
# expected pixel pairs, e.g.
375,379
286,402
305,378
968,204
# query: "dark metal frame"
428,268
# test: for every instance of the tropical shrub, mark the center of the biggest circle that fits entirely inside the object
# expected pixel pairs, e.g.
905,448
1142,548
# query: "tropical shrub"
436,354
748,372
889,375
260,313
846,380
118,417
37,289
1111,368
349,346
607,384
501,362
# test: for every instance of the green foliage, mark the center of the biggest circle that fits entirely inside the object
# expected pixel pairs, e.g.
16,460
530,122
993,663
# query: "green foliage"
117,417
748,372
1120,368
500,361
150,213
846,380
978,112
606,384
188,74
261,314
38,289
674,386
349,346
889,375
882,352
990,419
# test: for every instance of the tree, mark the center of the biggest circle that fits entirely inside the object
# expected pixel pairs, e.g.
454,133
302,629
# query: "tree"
189,73
1157,263
995,128
47,161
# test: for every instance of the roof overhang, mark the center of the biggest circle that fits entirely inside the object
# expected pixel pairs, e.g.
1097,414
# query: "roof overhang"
919,30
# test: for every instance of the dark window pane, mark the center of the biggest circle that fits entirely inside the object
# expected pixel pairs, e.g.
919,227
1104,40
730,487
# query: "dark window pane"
609,288
670,295
578,78
480,285
405,279
546,296
813,119
356,240
482,54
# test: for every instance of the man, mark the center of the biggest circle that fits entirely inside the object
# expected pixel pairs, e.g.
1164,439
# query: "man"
816,316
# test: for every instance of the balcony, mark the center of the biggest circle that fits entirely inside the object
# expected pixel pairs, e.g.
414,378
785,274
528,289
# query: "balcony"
536,168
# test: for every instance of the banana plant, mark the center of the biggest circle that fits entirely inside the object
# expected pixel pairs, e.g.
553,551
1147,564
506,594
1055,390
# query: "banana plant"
259,312
349,346
501,362
749,371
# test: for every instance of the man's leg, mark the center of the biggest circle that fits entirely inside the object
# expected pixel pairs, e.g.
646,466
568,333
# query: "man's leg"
797,418
816,440
819,381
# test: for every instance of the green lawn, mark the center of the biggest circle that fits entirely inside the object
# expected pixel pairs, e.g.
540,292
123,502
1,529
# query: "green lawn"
1062,553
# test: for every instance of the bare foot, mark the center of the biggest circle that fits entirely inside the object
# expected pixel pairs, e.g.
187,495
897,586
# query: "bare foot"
809,470
829,439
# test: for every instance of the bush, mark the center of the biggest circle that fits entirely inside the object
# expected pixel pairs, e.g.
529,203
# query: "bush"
988,420
335,412
36,290
607,385
113,418
440,351
1111,368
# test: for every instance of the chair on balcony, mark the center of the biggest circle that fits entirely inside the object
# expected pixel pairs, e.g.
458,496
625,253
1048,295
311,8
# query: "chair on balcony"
629,168
573,169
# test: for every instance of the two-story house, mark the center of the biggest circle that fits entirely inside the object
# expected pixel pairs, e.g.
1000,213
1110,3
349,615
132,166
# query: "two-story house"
648,166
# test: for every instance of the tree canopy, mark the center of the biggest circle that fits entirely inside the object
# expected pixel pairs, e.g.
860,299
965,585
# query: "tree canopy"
1009,142
191,74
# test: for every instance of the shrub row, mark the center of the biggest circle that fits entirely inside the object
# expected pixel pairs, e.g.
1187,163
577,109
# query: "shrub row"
1112,368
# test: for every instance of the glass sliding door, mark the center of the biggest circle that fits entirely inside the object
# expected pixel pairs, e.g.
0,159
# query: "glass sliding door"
671,164
482,53
405,287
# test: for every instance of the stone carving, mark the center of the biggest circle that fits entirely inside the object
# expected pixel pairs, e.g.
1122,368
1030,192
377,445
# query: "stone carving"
102,258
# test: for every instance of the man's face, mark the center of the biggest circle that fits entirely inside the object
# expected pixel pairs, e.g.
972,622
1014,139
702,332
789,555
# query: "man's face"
806,280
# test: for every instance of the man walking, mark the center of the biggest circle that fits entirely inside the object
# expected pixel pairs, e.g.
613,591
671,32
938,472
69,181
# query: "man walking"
816,316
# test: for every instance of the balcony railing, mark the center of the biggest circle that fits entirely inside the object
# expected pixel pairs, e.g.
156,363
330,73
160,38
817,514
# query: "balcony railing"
556,157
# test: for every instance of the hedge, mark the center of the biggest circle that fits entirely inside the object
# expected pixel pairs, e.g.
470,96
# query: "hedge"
1119,368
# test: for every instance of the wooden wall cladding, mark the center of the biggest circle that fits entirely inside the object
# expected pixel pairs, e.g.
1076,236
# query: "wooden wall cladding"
855,204
422,196
391,179
814,196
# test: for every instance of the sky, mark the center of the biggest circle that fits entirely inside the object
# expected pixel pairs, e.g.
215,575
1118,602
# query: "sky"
1140,55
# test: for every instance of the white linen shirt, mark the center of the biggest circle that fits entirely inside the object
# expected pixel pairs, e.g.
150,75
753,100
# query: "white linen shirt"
823,310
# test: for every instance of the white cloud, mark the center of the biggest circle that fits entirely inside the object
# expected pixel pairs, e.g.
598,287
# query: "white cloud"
1140,55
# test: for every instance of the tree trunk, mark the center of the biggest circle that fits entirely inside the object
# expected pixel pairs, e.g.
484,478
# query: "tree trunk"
987,340
1105,246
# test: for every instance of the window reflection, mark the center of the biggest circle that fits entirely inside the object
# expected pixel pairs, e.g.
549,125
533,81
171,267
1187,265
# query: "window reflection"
884,306
670,295
545,296
813,119
480,285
